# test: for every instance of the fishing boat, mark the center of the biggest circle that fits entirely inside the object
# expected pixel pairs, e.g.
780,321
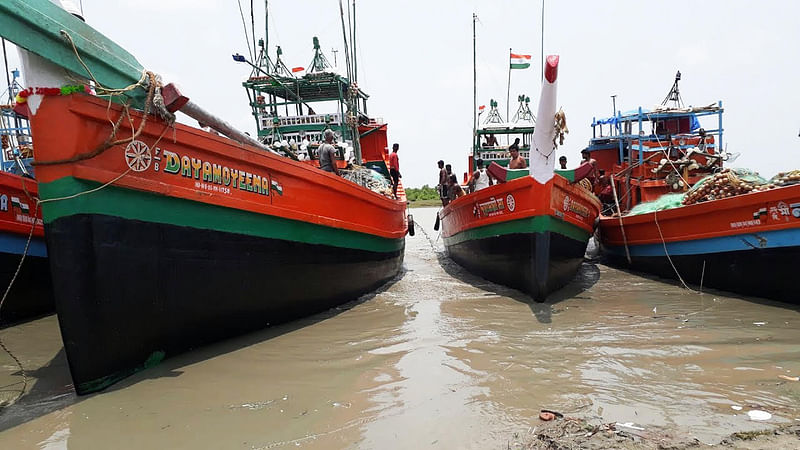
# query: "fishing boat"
684,215
24,269
530,230
164,237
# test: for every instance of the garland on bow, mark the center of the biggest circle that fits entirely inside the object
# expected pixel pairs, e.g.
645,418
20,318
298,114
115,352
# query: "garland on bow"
67,89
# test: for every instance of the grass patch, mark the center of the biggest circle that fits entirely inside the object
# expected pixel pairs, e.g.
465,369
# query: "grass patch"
425,203
750,435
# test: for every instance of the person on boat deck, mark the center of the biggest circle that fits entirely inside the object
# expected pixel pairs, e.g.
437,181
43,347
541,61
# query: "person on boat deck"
605,192
587,158
517,161
394,168
442,186
480,178
563,162
491,141
454,189
327,153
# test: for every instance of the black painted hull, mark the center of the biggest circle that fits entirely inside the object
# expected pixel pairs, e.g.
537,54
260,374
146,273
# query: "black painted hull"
130,292
535,263
768,272
32,293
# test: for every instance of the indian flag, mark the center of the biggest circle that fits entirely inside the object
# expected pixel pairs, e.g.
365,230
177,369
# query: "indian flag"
520,61
276,187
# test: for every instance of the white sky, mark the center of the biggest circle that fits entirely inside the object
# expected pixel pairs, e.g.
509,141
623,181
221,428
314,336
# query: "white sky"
415,60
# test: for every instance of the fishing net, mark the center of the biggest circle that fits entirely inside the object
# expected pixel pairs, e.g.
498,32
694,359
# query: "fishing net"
369,179
666,201
724,184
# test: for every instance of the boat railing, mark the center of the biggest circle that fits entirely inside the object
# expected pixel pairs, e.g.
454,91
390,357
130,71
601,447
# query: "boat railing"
623,127
312,119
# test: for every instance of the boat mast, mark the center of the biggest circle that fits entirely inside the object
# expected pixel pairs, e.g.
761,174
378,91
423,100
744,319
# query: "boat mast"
8,80
352,93
474,87
353,42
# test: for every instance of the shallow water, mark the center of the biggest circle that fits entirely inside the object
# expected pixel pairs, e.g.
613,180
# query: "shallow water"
437,358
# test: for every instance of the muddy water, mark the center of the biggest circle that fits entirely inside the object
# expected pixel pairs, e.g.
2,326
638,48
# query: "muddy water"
438,358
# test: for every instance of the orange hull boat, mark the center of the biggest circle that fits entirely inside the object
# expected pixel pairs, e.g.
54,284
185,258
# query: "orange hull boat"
182,237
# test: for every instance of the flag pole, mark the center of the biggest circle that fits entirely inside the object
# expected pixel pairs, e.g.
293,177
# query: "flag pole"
474,85
542,54
508,91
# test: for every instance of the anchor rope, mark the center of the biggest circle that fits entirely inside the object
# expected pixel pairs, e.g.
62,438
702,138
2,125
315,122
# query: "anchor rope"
664,243
430,241
3,300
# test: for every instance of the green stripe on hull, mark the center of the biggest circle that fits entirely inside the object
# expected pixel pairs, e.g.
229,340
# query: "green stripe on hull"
148,207
536,224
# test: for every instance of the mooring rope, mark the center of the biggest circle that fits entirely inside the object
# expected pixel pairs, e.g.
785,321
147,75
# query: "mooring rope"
430,241
3,300
664,243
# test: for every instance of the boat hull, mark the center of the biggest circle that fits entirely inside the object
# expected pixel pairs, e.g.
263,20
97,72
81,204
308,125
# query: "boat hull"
535,263
31,294
209,239
522,234
150,290
746,244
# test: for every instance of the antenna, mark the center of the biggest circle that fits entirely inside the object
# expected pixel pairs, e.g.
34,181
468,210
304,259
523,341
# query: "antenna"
334,51
674,95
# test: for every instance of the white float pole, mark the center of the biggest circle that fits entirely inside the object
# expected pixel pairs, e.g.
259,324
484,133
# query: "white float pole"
543,150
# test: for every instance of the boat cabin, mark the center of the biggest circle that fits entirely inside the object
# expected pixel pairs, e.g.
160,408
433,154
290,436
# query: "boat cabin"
649,153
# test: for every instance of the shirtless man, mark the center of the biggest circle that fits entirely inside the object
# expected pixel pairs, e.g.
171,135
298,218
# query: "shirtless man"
442,186
587,158
517,161
454,190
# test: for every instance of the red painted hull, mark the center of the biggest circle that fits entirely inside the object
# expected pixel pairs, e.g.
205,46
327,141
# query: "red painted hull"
719,218
308,194
530,199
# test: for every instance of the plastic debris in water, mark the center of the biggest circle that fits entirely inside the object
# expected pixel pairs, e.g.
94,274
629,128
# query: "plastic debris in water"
629,425
757,414
736,407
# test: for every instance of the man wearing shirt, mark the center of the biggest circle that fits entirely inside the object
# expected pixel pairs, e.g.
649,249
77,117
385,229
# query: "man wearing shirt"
394,168
327,153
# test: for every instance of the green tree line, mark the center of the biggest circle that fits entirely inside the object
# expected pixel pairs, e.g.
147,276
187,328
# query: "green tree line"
424,193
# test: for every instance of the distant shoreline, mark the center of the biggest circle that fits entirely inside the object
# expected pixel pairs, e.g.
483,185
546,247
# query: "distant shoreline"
425,203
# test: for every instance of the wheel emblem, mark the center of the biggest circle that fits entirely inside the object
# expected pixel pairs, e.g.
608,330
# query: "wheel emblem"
138,157
510,202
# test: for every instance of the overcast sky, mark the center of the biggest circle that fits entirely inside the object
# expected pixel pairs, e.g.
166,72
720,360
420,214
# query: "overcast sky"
415,61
